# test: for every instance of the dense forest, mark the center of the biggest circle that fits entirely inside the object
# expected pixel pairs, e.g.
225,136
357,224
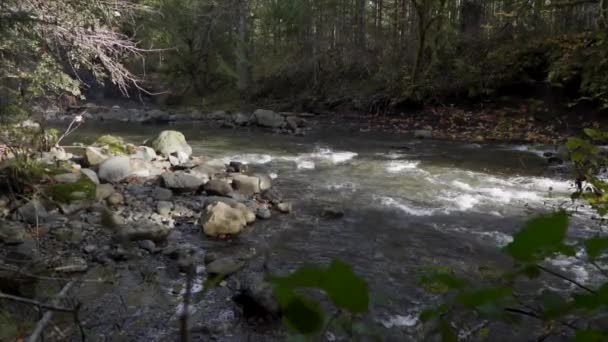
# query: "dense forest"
306,54
303,170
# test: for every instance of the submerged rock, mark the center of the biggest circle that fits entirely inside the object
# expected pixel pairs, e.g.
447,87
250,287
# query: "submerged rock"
225,266
115,169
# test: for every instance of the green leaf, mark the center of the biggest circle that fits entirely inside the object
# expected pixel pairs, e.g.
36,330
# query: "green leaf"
447,334
554,305
305,276
596,246
486,296
590,336
345,288
540,237
304,316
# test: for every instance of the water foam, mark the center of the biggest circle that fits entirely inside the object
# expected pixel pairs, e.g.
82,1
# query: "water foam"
398,166
390,202
400,321
249,158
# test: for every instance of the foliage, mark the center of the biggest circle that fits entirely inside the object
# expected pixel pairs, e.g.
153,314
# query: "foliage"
347,291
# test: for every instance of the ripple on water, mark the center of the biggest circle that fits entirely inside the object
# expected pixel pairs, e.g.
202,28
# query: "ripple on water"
401,165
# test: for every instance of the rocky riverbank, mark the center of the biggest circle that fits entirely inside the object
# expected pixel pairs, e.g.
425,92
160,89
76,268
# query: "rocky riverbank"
114,204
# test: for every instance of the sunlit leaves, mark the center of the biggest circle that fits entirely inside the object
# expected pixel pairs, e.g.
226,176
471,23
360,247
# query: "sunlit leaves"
346,290
540,237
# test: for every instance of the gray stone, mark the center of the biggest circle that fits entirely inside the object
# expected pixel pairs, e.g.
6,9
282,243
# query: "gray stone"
225,266
216,187
181,181
33,212
92,175
66,178
258,290
272,196
268,118
285,207
423,134
144,230
144,153
246,185
103,191
12,233
95,156
263,213
265,181
147,245
162,194
241,119
238,167
164,208
115,169
89,249
116,199
331,212
169,142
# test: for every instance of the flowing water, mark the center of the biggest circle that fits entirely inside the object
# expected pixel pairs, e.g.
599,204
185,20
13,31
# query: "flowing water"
407,203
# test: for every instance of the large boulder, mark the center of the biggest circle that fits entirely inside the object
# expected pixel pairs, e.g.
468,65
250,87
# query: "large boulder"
268,118
222,219
170,143
95,155
115,169
181,181
246,185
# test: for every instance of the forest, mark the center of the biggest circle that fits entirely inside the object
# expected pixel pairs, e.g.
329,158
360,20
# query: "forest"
303,170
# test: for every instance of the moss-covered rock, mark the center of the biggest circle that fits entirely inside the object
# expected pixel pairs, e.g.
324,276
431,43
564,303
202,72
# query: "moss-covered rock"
112,144
83,189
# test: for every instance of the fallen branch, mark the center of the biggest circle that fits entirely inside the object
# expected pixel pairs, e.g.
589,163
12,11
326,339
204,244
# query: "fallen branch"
36,303
35,336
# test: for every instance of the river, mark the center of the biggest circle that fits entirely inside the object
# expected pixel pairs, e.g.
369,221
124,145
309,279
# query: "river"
407,204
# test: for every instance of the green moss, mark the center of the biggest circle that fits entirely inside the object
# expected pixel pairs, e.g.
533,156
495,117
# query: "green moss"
69,192
112,144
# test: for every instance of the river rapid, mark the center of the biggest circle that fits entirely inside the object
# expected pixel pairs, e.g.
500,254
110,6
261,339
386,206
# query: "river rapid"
407,204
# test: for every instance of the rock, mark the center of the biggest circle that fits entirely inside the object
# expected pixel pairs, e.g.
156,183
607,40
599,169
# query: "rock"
116,199
263,213
555,161
257,293
332,213
246,185
284,207
219,115
115,169
265,181
268,118
104,191
225,266
143,169
247,213
222,219
164,208
272,196
170,142
28,124
207,171
95,156
92,175
89,249
241,119
238,167
33,212
12,233
147,245
218,187
162,194
294,123
423,134
145,230
59,154
144,153
181,181
73,265
66,178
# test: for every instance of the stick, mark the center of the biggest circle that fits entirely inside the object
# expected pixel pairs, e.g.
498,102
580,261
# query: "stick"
36,303
48,315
